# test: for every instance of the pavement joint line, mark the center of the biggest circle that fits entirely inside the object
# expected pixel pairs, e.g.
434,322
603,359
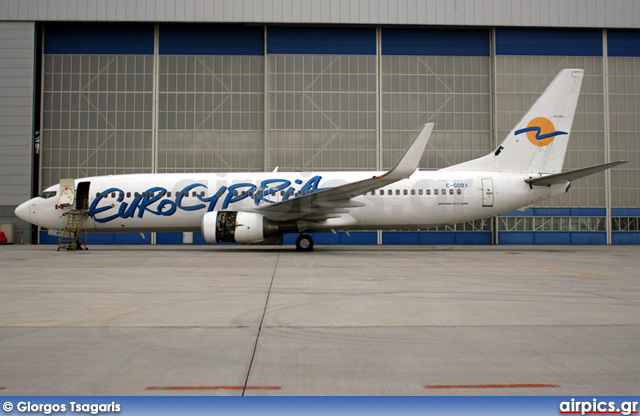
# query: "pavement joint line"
264,313
548,269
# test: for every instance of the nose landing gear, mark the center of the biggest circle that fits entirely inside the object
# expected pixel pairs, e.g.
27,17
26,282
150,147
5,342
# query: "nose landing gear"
304,243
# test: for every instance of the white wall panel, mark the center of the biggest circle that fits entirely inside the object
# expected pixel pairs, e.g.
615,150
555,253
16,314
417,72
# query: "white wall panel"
16,110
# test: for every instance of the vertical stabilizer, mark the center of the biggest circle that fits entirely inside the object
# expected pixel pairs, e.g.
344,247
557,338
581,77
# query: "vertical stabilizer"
538,142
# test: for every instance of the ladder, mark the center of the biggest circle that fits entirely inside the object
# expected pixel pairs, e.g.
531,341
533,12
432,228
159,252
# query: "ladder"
73,225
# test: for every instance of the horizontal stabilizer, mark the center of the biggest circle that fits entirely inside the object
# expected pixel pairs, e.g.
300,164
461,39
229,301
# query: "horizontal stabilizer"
571,175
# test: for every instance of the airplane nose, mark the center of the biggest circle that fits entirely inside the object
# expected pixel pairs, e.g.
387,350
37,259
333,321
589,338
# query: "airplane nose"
23,211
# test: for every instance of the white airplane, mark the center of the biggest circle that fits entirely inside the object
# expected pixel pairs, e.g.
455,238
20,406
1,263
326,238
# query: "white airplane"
252,207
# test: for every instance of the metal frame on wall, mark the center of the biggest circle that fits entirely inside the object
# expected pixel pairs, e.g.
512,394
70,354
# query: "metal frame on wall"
285,93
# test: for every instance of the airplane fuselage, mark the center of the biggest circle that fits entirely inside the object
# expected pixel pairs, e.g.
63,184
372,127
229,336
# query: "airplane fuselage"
177,202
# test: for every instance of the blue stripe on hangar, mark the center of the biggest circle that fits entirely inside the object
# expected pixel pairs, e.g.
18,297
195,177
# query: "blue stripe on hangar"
321,40
204,39
436,237
556,212
548,42
625,212
552,237
99,38
103,238
389,238
623,43
436,42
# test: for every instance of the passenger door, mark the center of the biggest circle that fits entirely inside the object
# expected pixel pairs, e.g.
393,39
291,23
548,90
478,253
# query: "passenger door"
487,192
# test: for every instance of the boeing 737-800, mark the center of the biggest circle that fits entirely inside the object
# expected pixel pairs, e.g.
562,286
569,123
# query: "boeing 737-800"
251,207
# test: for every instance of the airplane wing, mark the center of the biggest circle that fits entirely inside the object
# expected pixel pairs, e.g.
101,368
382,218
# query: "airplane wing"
332,202
571,175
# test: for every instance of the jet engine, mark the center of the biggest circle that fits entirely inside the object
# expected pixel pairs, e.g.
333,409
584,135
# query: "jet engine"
236,227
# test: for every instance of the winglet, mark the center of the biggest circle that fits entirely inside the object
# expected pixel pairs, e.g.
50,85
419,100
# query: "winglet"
408,163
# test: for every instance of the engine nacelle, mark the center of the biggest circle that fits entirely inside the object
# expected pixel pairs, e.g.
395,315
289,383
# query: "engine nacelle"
236,227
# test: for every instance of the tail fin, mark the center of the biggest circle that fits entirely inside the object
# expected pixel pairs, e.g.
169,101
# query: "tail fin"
538,143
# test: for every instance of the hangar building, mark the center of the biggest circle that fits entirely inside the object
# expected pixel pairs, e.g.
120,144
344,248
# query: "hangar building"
91,87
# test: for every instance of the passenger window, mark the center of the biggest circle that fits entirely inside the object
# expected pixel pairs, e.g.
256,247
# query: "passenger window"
459,191
137,194
435,192
113,194
413,192
450,191
405,192
274,192
235,193
389,192
419,191
243,193
428,191
97,194
194,194
128,194
397,191
220,193
121,194
202,194
373,192
169,194
281,193
444,192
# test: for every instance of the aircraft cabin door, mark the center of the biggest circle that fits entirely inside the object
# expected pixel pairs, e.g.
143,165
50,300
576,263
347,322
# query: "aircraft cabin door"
82,195
67,192
487,192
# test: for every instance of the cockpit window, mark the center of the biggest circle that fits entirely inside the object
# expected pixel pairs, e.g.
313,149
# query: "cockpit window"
48,194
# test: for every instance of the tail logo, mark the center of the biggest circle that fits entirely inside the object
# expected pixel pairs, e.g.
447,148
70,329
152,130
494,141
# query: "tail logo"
540,131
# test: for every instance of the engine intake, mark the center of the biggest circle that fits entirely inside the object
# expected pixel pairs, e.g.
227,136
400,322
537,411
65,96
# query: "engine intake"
236,227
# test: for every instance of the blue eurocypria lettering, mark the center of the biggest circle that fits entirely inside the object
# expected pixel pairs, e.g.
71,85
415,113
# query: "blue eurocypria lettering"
154,201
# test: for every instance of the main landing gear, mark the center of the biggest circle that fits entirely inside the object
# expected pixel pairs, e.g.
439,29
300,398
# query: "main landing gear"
304,243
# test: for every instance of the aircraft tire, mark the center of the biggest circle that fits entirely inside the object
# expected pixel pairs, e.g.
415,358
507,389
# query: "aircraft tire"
304,243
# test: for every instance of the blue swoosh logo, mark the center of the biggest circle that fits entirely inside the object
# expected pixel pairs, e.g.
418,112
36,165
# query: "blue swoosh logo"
538,130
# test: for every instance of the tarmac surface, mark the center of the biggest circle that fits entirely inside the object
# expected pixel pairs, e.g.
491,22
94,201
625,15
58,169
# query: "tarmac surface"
343,320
